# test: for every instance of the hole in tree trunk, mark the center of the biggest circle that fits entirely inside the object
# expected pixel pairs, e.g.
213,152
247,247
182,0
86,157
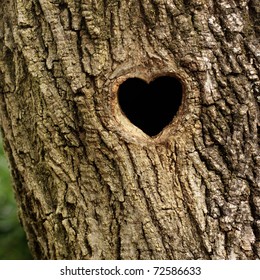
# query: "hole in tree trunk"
151,107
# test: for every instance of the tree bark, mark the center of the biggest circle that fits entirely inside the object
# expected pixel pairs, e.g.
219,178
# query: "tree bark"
91,185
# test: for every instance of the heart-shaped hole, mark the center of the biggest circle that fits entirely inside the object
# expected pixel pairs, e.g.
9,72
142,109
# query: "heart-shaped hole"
151,106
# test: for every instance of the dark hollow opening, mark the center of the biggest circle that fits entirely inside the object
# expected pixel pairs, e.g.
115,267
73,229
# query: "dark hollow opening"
152,106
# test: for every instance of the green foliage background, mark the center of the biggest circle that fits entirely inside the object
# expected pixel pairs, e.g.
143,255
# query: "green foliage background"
13,244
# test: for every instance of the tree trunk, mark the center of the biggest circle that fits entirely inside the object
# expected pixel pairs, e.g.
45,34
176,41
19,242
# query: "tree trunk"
91,184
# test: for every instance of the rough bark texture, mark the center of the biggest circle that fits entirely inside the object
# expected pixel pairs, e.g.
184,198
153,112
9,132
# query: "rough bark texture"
89,184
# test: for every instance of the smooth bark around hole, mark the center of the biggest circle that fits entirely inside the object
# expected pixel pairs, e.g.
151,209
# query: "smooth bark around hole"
151,106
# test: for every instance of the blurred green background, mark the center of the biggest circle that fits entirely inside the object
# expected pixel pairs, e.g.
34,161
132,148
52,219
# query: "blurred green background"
13,244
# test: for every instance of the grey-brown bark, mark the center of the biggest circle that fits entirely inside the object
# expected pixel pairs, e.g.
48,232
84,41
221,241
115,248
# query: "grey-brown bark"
89,184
